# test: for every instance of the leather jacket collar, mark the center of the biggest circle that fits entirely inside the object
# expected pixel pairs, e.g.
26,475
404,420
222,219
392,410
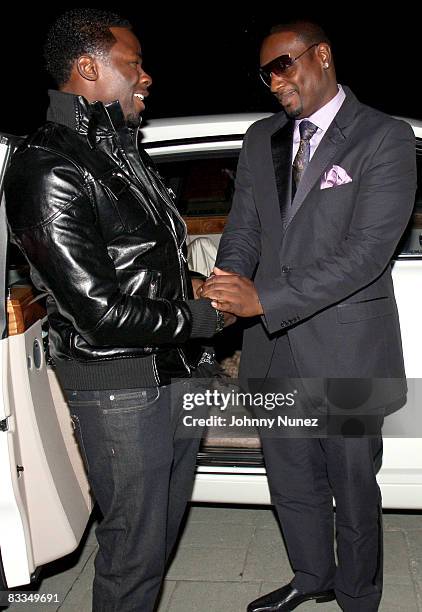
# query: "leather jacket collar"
94,120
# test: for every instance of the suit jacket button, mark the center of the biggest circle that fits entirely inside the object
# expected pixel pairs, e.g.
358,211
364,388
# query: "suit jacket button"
285,269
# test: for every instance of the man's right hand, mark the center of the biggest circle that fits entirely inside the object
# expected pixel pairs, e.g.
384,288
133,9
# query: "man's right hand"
215,272
231,292
229,318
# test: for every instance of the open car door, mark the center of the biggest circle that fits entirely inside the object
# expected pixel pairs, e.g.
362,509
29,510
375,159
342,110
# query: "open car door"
45,502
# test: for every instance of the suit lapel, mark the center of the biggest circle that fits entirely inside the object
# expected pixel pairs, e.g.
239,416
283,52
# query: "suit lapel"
281,148
328,148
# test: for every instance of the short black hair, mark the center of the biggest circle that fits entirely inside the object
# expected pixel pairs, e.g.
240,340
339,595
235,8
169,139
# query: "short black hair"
78,31
307,31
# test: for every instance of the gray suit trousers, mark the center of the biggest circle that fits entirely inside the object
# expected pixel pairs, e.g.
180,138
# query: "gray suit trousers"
304,475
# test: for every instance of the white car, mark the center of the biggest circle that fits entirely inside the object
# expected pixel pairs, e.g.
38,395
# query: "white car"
44,495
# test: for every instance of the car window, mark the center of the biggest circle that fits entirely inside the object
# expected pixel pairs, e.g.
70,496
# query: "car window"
418,203
411,243
202,186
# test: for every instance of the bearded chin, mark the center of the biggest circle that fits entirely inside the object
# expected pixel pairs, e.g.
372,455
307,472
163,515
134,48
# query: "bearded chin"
133,120
294,112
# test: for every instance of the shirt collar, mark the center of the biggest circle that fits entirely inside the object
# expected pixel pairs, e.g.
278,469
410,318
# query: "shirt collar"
323,117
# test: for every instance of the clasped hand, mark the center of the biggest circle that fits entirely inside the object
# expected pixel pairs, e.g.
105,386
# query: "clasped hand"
233,293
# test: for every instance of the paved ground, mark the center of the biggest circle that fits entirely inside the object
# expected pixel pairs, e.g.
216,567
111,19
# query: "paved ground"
228,556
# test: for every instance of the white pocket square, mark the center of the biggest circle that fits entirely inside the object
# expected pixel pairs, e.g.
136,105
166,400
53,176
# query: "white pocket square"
336,176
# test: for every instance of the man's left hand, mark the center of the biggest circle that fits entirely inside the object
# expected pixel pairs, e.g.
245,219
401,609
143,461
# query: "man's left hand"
196,286
232,293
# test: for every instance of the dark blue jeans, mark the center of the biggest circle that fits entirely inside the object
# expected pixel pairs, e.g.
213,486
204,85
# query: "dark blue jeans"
140,465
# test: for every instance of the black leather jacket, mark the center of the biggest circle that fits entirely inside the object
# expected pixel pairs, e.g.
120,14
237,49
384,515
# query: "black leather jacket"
106,243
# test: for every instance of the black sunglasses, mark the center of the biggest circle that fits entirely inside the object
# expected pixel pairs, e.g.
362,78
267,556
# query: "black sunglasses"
279,65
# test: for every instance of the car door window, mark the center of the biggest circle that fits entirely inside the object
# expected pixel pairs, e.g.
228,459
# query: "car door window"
411,244
203,186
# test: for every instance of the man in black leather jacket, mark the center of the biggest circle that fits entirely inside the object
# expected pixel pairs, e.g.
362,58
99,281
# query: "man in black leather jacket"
106,243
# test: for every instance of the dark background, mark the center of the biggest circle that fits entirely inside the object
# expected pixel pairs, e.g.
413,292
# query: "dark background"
204,59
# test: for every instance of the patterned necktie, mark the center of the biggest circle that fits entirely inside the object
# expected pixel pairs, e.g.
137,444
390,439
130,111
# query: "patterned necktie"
301,161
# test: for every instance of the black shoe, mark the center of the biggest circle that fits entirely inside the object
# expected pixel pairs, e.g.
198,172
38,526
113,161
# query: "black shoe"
287,598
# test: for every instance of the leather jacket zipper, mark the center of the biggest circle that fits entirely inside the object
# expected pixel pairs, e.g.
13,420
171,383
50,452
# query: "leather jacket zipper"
163,194
182,259
165,197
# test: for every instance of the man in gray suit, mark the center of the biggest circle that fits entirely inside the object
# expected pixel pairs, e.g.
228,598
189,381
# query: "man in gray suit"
324,190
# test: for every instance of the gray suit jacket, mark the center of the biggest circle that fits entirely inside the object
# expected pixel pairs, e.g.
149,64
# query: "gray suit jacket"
321,264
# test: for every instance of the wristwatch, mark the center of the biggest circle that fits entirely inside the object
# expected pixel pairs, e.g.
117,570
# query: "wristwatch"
220,320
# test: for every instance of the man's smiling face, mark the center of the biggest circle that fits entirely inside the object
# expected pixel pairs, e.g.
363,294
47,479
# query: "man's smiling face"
121,76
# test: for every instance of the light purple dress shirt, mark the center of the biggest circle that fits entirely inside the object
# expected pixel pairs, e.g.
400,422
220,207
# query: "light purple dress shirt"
322,119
